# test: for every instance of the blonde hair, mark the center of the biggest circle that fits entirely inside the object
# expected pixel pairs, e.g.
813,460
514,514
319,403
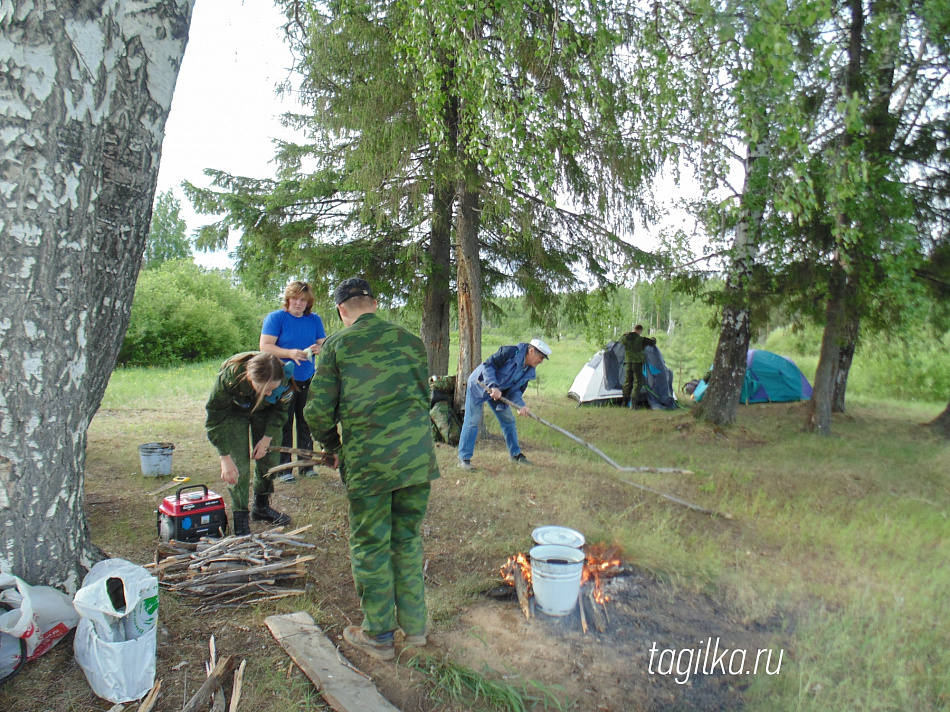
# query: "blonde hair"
295,290
260,369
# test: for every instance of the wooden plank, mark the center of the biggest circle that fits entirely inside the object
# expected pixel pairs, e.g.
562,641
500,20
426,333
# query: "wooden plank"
343,688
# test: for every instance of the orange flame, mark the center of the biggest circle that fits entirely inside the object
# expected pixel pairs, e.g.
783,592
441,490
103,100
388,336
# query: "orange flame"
516,561
601,560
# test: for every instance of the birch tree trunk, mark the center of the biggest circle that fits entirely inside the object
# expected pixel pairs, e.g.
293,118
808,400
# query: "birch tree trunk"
721,399
85,89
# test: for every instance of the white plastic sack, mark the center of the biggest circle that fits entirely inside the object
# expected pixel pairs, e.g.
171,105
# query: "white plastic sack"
40,615
12,655
116,638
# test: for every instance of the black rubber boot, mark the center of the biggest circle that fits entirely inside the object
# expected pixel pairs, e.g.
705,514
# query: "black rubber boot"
261,511
242,525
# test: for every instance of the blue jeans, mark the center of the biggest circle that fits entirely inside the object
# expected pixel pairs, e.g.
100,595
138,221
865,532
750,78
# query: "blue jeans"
473,417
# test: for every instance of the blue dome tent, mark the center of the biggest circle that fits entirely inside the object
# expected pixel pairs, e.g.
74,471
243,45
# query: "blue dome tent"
769,378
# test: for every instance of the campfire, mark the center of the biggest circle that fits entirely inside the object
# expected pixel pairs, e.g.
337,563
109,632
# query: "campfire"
601,562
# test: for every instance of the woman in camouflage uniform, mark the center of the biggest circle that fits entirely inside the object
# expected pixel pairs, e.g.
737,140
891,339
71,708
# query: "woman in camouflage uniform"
247,407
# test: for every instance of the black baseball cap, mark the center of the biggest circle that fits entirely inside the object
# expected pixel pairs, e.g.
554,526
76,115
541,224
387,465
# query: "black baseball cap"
352,287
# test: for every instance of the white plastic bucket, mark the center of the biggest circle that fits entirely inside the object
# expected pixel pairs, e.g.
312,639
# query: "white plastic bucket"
156,458
556,577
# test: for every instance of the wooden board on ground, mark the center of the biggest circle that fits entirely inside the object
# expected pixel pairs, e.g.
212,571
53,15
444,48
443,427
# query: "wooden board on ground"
344,689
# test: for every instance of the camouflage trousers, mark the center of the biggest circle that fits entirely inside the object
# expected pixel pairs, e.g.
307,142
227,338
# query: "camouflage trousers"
242,435
386,558
633,381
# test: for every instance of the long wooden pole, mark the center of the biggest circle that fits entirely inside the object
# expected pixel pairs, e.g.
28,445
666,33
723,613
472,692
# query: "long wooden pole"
572,436
659,470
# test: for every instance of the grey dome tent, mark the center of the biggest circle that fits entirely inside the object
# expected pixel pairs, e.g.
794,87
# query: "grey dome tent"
601,378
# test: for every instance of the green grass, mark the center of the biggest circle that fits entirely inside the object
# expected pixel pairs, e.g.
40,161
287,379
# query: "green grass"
844,538
457,684
153,387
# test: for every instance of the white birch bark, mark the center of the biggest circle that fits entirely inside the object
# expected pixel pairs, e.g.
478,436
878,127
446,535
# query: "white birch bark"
721,399
85,90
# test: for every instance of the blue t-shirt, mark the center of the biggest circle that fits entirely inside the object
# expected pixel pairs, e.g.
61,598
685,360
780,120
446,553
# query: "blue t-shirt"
295,332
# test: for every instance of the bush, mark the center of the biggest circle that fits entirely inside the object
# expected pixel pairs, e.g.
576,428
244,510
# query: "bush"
183,313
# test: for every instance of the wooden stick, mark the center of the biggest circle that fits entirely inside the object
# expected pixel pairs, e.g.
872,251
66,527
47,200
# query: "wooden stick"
572,436
660,470
600,622
684,503
151,698
293,465
580,604
199,700
312,454
521,588
238,684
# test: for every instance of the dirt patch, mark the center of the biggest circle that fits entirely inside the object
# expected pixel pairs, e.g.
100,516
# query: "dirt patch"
611,671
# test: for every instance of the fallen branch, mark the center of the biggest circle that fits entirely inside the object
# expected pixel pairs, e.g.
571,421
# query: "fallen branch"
677,500
658,470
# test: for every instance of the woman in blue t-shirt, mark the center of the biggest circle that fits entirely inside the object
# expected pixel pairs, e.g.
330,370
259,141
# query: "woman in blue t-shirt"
296,334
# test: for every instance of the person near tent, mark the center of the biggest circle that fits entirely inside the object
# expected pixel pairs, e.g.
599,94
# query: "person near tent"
634,358
295,333
247,409
504,375
372,380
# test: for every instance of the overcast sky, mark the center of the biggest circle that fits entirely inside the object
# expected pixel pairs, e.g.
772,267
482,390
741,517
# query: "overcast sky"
225,111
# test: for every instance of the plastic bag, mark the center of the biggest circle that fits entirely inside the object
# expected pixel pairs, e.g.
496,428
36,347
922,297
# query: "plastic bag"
116,638
39,615
12,652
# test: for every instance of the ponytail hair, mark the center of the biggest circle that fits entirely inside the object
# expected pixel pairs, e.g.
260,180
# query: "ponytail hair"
260,369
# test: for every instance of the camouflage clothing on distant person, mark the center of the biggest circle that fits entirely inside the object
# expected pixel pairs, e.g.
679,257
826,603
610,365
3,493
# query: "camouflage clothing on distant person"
371,380
634,358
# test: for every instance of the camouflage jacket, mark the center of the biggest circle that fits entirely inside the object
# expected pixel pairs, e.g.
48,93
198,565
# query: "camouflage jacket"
633,344
233,396
371,379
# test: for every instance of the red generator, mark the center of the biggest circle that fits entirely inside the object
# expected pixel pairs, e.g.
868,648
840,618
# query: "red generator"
188,516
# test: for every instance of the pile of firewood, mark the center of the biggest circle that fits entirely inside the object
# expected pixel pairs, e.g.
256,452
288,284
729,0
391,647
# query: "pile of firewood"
229,572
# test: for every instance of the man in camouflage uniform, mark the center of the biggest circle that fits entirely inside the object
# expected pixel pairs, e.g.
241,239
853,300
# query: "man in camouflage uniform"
231,411
634,358
371,379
